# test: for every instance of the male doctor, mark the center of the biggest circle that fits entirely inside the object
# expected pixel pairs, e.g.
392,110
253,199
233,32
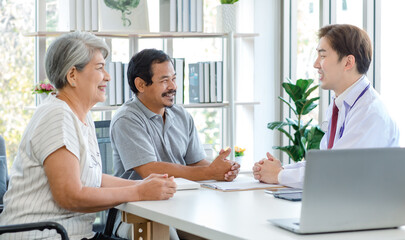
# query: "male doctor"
357,116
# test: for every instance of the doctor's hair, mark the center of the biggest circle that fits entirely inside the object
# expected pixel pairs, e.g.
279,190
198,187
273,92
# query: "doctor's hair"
75,49
347,40
141,65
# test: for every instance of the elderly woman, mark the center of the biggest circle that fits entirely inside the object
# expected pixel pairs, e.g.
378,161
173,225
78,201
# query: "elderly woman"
57,174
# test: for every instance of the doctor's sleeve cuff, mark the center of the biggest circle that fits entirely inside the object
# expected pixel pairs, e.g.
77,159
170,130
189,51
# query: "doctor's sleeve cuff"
292,177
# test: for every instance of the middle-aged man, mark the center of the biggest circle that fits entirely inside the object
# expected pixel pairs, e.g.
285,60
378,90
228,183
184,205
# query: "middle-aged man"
357,117
150,134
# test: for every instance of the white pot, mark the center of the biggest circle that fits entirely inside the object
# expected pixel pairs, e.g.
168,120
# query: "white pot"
226,18
239,159
43,96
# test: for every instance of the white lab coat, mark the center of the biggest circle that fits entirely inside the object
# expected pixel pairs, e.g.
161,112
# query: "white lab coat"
367,125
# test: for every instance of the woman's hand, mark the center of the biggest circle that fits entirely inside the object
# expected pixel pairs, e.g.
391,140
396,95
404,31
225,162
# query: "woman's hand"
156,187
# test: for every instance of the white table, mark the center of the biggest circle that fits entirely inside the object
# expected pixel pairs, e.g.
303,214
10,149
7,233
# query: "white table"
231,215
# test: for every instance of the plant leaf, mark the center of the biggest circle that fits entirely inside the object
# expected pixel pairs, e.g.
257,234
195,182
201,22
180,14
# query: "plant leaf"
306,125
293,123
304,84
289,104
279,126
306,106
315,135
293,91
310,91
292,151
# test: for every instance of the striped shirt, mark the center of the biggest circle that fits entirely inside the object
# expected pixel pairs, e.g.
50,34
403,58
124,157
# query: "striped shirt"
29,198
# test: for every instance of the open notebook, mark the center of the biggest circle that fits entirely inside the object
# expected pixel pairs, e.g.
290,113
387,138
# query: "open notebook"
185,184
241,183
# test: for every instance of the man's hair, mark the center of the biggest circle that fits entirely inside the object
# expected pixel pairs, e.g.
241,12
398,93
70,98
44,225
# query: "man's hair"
347,40
141,63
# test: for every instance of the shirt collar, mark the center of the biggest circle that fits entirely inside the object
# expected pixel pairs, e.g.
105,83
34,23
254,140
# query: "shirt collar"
148,113
351,93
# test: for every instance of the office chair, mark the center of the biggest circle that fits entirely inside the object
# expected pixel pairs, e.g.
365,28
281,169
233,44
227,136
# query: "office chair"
35,226
3,172
104,144
26,226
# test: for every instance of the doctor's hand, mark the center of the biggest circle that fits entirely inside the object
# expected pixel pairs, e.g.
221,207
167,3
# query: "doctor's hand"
267,170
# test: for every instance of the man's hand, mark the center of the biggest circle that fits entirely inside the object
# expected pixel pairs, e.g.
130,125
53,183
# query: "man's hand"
223,169
267,170
233,173
156,187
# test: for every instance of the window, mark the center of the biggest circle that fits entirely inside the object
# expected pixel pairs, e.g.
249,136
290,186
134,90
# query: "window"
350,11
307,40
392,52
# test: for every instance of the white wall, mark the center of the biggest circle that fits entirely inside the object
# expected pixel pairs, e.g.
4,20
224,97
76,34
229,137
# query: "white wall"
267,74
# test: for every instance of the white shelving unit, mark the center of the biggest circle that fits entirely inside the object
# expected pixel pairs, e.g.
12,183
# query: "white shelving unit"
228,54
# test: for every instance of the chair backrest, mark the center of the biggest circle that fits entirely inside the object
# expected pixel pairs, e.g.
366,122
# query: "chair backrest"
104,143
3,171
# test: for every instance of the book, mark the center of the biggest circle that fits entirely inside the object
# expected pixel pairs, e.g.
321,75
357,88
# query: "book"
127,88
111,84
67,15
123,17
179,68
194,85
193,15
173,15
241,183
185,184
200,16
119,84
213,85
201,82
87,15
206,82
94,15
219,81
186,16
79,15
164,15
179,15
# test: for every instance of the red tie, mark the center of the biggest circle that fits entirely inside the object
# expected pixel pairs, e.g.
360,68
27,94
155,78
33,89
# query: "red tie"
333,127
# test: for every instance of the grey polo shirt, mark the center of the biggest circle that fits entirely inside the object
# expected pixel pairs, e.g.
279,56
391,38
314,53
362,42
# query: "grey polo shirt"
139,136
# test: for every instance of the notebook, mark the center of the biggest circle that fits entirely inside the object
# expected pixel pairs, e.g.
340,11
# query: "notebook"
241,183
352,189
185,184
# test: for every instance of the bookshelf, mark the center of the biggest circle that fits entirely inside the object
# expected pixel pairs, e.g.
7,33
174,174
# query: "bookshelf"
229,104
229,40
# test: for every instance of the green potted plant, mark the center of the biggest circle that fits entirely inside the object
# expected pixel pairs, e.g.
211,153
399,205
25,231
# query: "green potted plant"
226,16
303,136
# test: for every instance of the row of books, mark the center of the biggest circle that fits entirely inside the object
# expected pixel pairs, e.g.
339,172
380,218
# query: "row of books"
118,90
81,15
181,15
101,15
206,82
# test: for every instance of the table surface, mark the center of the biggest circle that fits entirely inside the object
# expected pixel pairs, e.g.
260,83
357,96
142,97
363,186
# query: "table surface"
236,215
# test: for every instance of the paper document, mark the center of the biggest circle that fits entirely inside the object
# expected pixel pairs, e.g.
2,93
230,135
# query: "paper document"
241,183
185,184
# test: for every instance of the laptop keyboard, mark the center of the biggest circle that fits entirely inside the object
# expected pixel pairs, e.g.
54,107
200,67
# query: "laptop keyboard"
296,223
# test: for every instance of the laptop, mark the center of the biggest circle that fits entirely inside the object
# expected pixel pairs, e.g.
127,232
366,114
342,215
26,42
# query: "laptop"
351,189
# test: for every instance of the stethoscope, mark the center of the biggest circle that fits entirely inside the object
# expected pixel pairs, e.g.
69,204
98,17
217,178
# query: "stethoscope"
342,128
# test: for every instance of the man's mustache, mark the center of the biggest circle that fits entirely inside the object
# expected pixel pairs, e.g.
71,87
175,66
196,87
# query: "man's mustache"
169,92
